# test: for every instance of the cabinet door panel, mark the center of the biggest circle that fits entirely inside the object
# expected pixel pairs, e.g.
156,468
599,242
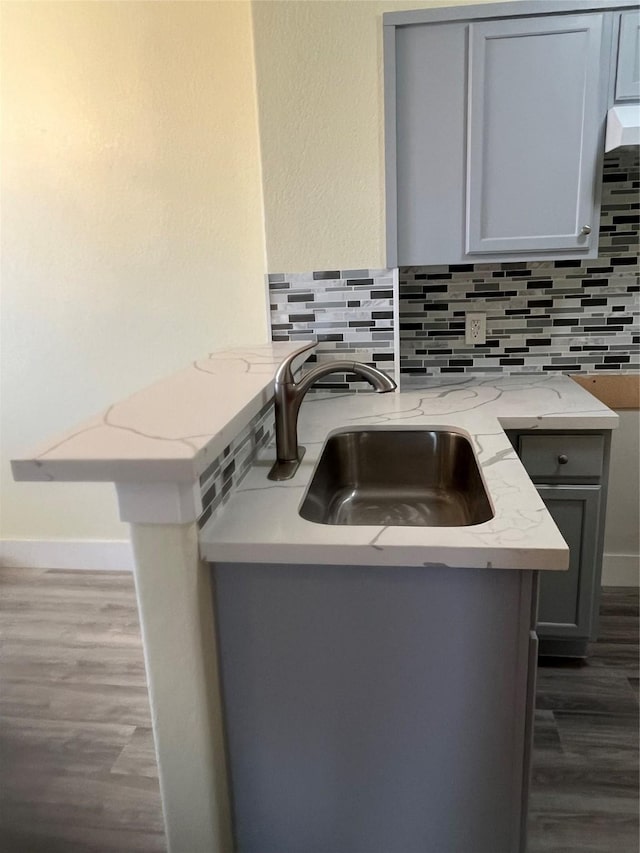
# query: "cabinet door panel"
430,138
565,597
533,132
628,71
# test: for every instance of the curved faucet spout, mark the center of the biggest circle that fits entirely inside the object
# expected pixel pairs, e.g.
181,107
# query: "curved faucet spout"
376,378
288,396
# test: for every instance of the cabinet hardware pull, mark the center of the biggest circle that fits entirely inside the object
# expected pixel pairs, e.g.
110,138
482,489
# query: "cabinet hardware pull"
563,459
586,229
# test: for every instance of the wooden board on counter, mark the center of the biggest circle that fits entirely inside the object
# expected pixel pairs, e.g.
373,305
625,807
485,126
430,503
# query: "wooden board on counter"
618,391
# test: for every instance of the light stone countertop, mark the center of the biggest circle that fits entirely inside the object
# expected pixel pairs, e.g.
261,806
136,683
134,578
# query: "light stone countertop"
261,523
170,431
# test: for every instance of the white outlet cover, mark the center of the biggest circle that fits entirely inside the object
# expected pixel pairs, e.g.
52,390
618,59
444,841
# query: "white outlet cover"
475,328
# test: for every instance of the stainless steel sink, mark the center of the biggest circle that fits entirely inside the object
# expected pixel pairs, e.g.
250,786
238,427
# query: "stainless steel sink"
424,478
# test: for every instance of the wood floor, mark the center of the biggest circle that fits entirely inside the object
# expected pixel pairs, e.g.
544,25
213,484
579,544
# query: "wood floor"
585,768
78,771
77,768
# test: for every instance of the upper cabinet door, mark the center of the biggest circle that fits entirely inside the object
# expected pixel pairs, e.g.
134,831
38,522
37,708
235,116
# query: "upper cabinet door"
628,70
534,122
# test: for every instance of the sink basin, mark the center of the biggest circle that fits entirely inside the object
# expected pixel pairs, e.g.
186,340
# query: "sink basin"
422,478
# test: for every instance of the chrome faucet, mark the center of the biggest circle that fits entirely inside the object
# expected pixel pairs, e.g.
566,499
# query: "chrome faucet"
288,396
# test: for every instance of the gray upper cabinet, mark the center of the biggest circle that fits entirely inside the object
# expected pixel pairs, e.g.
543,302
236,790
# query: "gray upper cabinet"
533,134
425,148
628,65
425,108
494,132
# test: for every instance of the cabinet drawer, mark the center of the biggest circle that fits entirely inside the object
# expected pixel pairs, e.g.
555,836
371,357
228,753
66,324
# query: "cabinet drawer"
562,457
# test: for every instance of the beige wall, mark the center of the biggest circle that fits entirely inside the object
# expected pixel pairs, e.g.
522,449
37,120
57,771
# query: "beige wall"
320,100
132,222
622,531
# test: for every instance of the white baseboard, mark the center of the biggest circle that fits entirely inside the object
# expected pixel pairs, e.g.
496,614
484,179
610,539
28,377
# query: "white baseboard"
621,570
94,554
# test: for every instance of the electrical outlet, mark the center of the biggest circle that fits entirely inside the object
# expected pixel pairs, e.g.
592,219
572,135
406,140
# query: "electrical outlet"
475,330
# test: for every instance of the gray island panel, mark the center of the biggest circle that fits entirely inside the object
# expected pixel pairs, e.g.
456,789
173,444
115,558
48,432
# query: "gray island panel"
371,710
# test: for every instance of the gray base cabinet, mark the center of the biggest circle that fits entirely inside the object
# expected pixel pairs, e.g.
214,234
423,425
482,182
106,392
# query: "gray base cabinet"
570,472
377,710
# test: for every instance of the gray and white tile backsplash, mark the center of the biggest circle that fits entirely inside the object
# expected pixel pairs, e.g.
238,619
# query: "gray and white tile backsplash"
349,312
227,471
569,316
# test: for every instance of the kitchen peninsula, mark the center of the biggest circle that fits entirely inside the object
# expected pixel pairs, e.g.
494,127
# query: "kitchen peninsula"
466,594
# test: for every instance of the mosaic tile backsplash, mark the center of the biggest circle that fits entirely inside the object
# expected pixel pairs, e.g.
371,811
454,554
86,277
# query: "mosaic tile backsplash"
227,471
349,312
569,316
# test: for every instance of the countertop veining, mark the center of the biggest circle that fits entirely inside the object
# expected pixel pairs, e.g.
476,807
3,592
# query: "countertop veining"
169,431
172,430
261,523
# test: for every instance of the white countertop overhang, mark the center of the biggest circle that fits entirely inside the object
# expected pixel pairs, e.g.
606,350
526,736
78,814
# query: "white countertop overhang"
170,431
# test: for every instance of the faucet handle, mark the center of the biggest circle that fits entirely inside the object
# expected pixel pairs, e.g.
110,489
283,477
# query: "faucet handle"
284,373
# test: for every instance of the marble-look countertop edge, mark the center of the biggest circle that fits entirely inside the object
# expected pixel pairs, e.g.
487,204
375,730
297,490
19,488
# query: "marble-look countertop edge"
582,421
491,557
158,457
110,471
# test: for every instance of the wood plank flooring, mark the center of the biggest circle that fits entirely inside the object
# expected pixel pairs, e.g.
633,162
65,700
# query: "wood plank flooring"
585,769
78,772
